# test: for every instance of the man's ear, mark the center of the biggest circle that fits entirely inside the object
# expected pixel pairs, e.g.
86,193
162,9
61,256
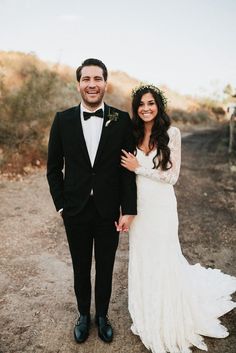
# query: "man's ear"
78,87
106,87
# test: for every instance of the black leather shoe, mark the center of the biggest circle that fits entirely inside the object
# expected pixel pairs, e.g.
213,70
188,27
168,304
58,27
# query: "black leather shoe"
105,331
81,330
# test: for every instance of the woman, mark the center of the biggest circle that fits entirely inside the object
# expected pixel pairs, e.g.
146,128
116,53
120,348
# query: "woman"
171,302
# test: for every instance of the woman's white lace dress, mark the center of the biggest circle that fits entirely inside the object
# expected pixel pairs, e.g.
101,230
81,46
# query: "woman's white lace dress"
171,302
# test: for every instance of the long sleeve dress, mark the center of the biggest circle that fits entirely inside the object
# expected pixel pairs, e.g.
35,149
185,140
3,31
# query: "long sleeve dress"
172,303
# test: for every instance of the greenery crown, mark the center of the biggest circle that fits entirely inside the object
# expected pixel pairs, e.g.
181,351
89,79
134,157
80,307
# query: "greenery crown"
142,87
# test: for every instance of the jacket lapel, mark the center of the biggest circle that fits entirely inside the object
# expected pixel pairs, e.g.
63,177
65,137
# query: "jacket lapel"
81,138
104,134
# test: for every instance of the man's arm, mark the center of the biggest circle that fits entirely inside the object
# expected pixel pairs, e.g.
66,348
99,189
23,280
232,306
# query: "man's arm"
55,164
128,179
128,182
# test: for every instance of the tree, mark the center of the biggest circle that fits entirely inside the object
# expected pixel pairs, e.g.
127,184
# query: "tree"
229,90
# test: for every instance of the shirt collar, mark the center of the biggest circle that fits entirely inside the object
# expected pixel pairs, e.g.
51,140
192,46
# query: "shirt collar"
83,109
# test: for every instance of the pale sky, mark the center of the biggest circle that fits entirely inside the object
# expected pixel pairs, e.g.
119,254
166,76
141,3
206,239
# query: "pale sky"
189,45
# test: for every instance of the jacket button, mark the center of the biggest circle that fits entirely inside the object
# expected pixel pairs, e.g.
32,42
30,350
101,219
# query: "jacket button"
93,174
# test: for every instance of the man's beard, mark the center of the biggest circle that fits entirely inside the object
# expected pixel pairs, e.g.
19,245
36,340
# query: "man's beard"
92,103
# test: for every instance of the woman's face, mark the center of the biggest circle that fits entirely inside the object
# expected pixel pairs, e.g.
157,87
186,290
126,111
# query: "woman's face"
147,110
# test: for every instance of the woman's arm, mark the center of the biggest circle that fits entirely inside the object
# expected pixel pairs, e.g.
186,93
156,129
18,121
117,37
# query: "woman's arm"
169,176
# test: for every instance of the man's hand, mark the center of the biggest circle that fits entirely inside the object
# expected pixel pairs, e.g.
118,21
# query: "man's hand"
124,223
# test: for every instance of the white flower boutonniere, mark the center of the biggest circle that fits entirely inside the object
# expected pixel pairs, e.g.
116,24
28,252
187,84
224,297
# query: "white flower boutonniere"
112,116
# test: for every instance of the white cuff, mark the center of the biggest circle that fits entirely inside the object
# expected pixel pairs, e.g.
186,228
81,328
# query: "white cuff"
139,170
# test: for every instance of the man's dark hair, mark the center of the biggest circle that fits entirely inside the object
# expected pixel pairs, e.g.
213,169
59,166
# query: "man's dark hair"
91,62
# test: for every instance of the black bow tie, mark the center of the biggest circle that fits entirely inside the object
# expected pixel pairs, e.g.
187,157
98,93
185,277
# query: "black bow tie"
98,113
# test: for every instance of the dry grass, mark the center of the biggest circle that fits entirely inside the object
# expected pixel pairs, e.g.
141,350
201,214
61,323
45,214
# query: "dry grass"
31,91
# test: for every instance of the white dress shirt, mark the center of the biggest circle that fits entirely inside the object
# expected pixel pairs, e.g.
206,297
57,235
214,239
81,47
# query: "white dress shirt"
92,129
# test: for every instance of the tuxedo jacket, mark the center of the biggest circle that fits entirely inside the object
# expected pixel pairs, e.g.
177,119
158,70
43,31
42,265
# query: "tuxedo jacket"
71,176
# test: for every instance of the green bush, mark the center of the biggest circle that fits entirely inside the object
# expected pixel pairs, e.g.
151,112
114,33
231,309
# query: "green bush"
194,117
26,112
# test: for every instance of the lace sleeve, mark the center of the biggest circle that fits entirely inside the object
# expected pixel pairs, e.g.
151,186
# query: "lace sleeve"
171,175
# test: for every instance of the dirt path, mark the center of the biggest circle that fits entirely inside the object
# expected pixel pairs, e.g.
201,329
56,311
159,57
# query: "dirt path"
37,302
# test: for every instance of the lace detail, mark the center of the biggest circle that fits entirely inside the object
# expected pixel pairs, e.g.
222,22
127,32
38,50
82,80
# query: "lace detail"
172,303
171,175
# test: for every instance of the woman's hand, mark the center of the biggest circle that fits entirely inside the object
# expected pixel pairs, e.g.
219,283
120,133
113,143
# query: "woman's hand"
129,161
124,223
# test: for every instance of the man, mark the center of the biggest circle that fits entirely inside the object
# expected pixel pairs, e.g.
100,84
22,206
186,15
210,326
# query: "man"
95,195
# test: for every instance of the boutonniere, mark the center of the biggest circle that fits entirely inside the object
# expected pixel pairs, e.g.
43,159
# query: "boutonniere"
112,116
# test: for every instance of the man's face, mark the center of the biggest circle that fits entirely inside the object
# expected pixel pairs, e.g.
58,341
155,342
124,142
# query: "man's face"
92,86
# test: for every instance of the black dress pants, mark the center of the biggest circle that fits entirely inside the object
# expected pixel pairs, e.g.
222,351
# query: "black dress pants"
83,231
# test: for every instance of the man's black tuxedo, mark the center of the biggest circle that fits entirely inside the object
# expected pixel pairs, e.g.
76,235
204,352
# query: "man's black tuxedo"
90,220
113,186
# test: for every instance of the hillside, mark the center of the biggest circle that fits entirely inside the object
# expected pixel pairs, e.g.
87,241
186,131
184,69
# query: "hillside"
31,91
16,68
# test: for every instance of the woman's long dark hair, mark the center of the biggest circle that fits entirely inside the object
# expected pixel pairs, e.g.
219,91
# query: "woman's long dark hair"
159,137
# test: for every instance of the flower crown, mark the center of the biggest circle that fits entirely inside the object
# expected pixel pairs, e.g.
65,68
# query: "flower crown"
142,87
